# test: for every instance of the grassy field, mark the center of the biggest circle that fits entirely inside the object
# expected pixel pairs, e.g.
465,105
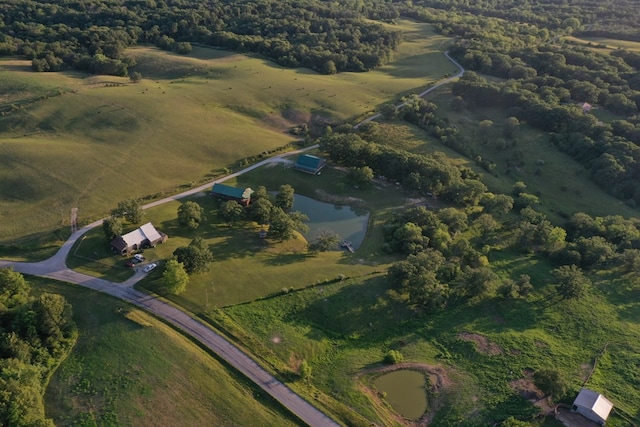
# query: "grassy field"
605,43
74,140
344,328
128,368
563,185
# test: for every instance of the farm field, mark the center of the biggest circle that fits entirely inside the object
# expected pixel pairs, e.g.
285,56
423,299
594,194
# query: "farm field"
128,368
73,140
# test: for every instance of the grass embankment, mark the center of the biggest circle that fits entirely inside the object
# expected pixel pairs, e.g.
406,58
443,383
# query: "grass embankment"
128,368
105,139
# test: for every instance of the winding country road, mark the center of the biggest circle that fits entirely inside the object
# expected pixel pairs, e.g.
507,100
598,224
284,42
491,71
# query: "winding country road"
56,268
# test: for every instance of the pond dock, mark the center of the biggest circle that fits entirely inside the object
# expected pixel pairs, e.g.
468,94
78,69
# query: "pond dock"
347,245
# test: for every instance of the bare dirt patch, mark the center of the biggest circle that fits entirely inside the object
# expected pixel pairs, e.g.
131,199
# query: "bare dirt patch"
527,389
439,383
483,345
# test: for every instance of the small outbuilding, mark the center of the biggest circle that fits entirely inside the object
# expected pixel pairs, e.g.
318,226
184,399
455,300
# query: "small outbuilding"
227,192
144,237
309,164
592,405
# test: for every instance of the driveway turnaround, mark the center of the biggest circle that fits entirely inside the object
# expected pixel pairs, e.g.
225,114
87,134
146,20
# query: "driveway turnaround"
56,268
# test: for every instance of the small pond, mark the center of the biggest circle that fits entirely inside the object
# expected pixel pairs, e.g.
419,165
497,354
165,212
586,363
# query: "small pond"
406,392
348,223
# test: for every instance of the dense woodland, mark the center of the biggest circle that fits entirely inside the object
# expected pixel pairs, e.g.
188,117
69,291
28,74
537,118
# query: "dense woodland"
542,80
36,332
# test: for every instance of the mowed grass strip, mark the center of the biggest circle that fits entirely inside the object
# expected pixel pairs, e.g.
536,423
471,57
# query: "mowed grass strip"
128,368
105,139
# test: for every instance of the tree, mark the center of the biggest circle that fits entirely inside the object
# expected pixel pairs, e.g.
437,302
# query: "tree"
53,315
260,210
305,370
14,289
329,67
112,227
129,209
389,111
484,131
175,277
281,225
298,219
194,257
259,194
135,77
190,215
570,282
410,239
231,211
511,126
360,177
551,382
285,197
326,240
392,357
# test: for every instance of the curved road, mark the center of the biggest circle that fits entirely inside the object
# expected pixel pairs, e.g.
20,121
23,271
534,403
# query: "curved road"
56,268
424,92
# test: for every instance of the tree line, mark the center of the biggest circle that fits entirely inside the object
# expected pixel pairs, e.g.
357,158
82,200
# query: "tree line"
36,333
92,35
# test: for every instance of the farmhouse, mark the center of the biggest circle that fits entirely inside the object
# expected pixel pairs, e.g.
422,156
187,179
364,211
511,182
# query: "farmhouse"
227,192
309,164
143,237
592,405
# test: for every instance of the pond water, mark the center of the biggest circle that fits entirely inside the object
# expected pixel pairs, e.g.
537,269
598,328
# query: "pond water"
406,392
348,223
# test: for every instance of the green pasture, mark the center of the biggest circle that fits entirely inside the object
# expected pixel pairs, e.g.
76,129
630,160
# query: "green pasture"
563,185
128,368
606,43
102,139
345,327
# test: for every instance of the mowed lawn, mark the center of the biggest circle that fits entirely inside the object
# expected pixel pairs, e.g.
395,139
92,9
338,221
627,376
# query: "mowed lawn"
128,368
104,139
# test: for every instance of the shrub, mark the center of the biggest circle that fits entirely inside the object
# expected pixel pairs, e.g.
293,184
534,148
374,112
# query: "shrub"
392,357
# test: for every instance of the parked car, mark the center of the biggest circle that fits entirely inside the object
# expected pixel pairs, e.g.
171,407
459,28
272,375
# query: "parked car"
150,267
130,264
138,257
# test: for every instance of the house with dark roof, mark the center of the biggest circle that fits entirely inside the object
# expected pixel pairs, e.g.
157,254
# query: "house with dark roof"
592,405
144,237
309,164
227,192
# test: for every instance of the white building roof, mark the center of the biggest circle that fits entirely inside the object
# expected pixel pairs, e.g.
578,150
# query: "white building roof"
137,236
150,232
590,399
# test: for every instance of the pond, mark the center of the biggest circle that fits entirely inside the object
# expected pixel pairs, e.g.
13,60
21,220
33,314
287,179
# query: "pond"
348,223
406,392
